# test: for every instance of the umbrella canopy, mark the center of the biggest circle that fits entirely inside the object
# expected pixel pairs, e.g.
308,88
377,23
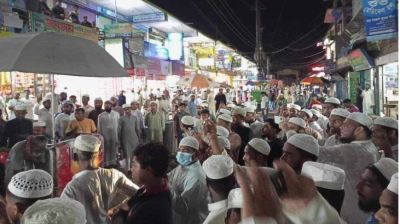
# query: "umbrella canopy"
198,81
312,81
57,53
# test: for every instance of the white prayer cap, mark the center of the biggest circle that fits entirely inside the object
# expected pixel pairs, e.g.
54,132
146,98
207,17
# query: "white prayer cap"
316,106
224,111
294,106
360,118
260,145
224,142
55,210
324,175
308,112
298,121
305,142
230,105
332,100
98,99
394,184
290,133
315,112
126,106
218,166
225,117
387,167
387,122
153,102
85,95
187,120
250,109
204,104
239,111
340,112
87,143
33,183
39,124
189,141
235,198
47,97
221,131
20,106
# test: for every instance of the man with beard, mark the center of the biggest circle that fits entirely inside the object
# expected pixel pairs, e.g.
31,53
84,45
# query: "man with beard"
62,120
241,130
353,156
107,126
293,109
373,181
45,115
28,154
18,128
177,120
270,133
85,104
94,114
336,120
389,202
255,125
225,121
128,132
328,105
385,136
115,106
63,97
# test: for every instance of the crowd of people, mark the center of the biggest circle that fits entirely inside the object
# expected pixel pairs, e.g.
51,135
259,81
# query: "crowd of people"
309,159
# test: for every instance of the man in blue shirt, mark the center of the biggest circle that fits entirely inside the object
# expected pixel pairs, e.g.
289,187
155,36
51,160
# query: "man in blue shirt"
192,105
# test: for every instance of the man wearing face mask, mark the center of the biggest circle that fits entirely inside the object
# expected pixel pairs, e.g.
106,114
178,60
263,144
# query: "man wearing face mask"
28,154
188,185
353,156
336,120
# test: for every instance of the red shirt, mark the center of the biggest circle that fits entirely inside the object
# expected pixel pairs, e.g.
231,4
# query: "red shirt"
353,109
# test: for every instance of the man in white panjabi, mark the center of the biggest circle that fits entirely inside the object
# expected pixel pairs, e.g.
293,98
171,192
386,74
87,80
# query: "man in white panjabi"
98,189
368,101
128,133
353,156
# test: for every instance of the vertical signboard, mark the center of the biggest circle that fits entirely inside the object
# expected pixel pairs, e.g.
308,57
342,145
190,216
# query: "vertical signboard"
354,81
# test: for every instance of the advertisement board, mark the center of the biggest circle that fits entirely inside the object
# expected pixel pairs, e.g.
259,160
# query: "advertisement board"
380,17
149,17
359,60
155,51
175,46
118,30
354,81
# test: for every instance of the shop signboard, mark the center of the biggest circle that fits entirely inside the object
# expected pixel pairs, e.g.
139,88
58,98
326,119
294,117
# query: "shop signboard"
380,18
153,66
37,22
354,81
391,68
53,25
118,30
360,60
149,17
86,33
178,68
155,51
175,46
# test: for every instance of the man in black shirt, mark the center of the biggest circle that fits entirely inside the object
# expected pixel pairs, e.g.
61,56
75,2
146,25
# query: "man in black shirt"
270,132
18,128
219,98
58,11
243,131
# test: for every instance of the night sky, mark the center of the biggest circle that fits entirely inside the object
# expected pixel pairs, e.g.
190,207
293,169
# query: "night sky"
291,27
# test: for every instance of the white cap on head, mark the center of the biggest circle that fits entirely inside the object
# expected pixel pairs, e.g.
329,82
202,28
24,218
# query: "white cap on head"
387,122
189,141
324,175
224,111
218,166
305,142
204,104
293,106
260,145
231,105
360,118
394,184
290,133
221,131
87,143
98,99
226,118
47,97
55,210
126,106
316,112
332,100
308,112
235,198
250,109
340,112
31,184
298,121
39,124
187,120
85,95
316,106
20,106
387,167
224,142
239,111
153,102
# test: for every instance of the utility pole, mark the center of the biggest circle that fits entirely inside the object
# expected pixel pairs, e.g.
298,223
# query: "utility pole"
259,54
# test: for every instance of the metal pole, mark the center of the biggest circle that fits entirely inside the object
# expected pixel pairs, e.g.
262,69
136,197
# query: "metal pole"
258,36
53,125
115,11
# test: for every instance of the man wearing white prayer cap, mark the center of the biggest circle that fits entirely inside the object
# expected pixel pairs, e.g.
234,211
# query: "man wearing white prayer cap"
235,140
187,125
238,126
329,181
235,204
336,119
224,111
305,114
155,122
373,181
298,149
224,143
389,201
45,115
85,104
313,122
385,136
255,125
98,109
257,150
39,128
188,184
85,186
24,189
221,131
16,129
55,211
298,125
329,104
220,181
353,156
129,133
293,109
